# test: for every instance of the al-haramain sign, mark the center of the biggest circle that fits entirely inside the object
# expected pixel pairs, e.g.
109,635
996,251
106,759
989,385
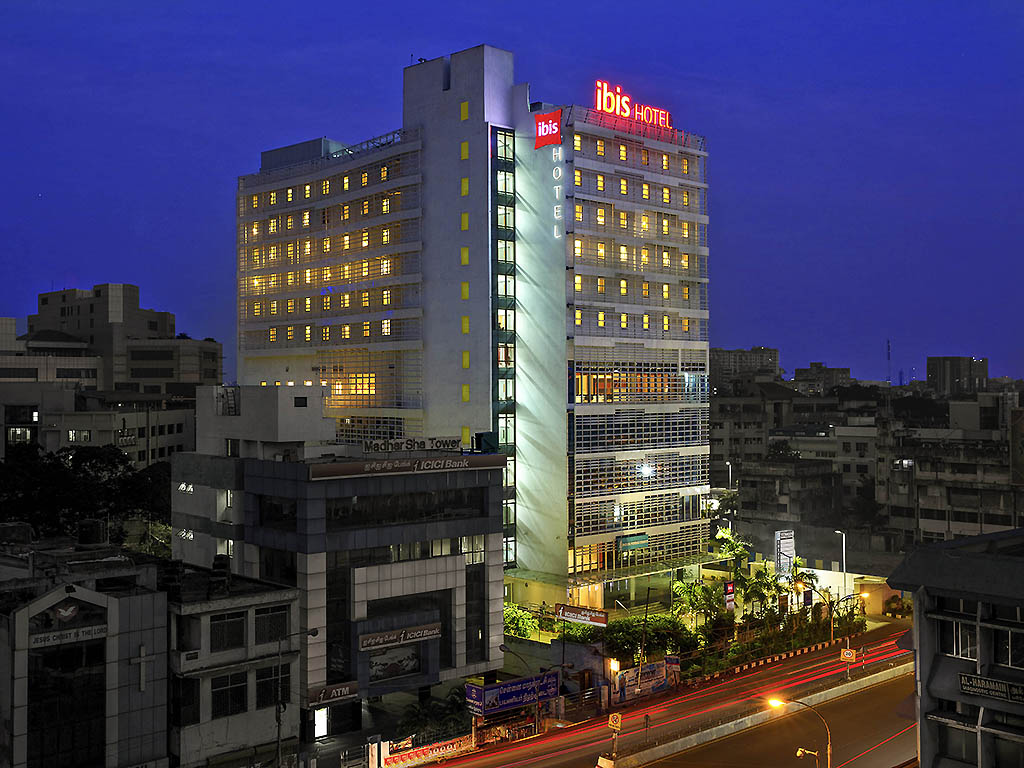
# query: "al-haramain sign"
393,637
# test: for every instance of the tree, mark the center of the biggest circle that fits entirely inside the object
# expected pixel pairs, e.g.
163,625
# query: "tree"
519,622
736,548
779,449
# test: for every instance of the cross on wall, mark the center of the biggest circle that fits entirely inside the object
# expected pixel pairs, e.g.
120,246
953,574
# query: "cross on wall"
142,659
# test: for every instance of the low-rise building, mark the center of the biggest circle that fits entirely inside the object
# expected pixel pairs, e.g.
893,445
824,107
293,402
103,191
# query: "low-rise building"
969,641
818,378
952,376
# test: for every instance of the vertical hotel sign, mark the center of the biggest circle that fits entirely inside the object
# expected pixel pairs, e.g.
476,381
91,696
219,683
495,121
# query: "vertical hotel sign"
548,132
1017,446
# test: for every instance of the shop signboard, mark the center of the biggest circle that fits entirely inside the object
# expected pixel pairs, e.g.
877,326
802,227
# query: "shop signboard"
511,694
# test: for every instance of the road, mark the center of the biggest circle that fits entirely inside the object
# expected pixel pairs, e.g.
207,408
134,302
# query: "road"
579,746
866,733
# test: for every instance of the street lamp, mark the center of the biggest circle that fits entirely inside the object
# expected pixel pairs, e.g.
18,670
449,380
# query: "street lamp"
536,686
729,465
278,709
841,533
777,703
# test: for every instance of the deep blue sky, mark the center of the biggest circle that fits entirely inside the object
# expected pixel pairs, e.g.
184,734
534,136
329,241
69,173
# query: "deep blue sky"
867,166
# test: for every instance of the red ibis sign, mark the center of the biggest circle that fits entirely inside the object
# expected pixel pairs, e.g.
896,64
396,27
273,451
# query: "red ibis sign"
549,128
614,102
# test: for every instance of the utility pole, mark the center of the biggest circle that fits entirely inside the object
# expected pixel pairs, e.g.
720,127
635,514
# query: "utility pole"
278,708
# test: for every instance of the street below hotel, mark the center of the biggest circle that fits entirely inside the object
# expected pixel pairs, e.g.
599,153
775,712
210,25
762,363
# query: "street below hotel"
712,703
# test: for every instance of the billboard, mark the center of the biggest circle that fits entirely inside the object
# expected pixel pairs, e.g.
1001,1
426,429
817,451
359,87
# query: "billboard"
640,681
785,551
579,615
512,694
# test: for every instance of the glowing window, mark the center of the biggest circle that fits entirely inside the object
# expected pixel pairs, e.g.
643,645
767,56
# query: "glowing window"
465,393
257,308
577,142
579,212
364,179
464,150
622,288
600,147
664,162
273,335
364,298
623,320
465,358
291,305
686,292
385,296
666,196
308,276
600,251
578,281
273,198
326,303
464,222
385,236
307,247
577,248
365,268
346,331
647,322
325,333
643,156
290,332
385,326
645,290
665,260
464,252
464,110
290,194
686,229
664,226
346,300
685,323
686,197
366,329
366,238
644,257
272,225
623,253
600,216
577,176
686,165
579,317
464,290
664,322
664,292
622,152
600,182
309,333
645,222
465,323
306,191
385,266
365,208
684,261
289,222
464,187
645,191
600,319
255,229
308,304
385,205
346,211
325,187
600,285
273,307
325,245
345,242
255,201
623,187
383,173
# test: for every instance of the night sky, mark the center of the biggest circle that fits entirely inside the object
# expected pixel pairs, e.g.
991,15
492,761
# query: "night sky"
866,158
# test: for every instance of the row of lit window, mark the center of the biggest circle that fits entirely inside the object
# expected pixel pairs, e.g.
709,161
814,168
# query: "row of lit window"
601,219
306,190
623,154
347,241
645,288
645,320
624,255
344,331
277,224
326,303
340,272
645,188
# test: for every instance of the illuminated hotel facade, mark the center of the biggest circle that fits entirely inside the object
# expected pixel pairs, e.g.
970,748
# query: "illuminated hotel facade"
500,265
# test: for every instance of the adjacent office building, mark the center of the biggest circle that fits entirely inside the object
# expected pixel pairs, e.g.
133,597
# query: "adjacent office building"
504,265
969,640
951,376
397,560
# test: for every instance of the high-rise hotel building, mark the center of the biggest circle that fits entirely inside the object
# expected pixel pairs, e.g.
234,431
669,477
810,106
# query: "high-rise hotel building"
504,265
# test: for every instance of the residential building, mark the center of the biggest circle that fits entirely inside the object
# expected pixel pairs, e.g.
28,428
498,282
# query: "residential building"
397,560
509,266
728,364
968,638
952,376
788,490
138,347
233,661
819,379
83,653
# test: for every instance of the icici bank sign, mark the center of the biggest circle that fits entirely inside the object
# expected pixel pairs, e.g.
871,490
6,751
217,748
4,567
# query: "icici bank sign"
614,102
